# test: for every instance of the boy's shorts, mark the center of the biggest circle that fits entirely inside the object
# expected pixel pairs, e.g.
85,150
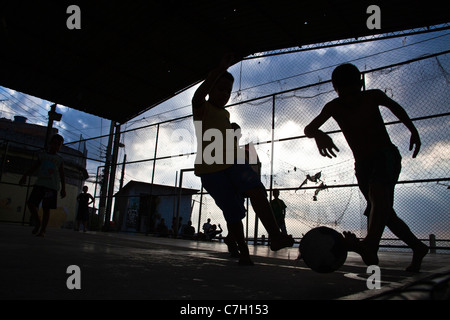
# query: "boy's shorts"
82,214
46,195
228,187
382,168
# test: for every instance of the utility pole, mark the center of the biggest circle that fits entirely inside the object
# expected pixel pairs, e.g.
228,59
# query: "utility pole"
104,186
122,176
112,177
52,116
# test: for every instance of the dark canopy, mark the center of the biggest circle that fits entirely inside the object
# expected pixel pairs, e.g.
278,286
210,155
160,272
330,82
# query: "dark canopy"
129,56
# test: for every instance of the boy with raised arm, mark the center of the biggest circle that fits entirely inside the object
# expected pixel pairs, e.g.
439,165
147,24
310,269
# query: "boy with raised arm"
222,174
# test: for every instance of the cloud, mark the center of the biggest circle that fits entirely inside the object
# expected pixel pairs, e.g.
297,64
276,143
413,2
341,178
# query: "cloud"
82,123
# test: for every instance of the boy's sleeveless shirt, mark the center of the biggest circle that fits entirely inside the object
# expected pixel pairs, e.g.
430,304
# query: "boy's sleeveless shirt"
213,118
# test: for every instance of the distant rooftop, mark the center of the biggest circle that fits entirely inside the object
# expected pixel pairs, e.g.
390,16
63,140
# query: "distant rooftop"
157,188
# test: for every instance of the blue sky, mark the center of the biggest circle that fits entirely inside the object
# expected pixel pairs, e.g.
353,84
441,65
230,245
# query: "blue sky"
260,76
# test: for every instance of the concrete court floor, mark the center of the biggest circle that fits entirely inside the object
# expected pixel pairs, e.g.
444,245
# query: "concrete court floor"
139,267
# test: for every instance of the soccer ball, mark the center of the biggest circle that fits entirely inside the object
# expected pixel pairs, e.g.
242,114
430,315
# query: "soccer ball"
323,249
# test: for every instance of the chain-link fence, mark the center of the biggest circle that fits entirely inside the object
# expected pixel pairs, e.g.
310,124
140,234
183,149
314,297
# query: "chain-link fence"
316,190
329,194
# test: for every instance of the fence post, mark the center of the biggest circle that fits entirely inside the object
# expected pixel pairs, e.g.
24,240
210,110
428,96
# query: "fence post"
150,213
200,209
105,181
112,177
272,147
432,243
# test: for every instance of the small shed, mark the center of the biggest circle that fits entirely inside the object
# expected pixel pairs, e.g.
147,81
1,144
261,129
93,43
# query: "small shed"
140,206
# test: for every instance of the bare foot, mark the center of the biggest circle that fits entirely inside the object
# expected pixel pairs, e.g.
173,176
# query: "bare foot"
419,253
232,247
281,241
368,253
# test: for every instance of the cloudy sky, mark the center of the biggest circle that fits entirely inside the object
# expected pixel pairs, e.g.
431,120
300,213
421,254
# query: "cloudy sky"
422,89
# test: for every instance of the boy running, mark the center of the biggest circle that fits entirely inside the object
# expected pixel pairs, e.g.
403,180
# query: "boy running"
377,160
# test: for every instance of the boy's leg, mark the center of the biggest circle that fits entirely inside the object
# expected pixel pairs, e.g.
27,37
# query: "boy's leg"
381,200
262,208
246,181
400,229
282,225
236,230
230,202
45,219
33,205
35,217
377,177
49,202
231,243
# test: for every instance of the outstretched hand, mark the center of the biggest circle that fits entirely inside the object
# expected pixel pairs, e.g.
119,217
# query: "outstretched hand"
325,145
415,141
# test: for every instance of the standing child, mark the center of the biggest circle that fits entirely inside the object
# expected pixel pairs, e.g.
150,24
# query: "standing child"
377,160
279,210
84,200
227,181
50,177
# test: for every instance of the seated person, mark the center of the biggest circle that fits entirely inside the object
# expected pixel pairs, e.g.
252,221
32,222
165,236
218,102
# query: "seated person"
213,232
188,231
161,229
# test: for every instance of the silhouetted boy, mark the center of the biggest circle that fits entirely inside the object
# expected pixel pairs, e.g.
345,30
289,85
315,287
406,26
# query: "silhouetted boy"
279,210
50,177
84,200
227,181
377,160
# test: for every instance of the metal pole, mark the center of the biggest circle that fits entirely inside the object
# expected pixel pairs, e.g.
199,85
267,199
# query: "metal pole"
432,243
112,177
96,182
52,115
174,205
150,213
178,203
246,221
272,144
104,187
200,209
49,126
179,199
364,82
271,164
123,171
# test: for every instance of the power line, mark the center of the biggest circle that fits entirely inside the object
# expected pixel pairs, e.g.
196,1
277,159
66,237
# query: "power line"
353,60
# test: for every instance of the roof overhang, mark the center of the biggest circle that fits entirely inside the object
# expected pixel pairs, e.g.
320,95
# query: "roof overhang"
131,56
